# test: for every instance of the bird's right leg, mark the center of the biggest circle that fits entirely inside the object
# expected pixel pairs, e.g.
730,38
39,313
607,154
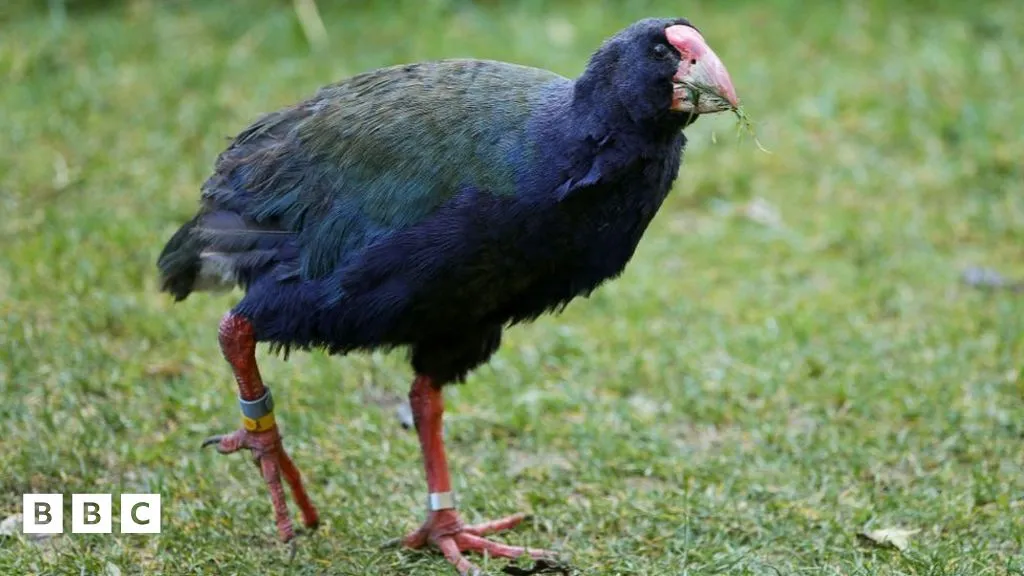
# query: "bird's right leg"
444,528
259,433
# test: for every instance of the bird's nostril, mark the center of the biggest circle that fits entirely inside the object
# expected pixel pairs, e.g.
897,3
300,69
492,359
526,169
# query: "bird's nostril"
693,62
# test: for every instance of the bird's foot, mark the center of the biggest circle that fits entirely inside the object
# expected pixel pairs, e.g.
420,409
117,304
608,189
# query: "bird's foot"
272,460
445,531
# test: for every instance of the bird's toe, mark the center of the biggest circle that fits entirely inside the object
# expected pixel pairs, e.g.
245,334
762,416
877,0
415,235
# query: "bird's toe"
212,440
227,443
500,525
444,531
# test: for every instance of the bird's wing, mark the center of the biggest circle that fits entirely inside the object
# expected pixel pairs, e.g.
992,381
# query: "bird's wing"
309,185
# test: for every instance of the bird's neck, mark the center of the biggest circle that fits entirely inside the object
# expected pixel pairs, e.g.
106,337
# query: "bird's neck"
594,141
597,110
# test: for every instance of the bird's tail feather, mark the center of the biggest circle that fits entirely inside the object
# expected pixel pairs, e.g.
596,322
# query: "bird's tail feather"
179,262
219,250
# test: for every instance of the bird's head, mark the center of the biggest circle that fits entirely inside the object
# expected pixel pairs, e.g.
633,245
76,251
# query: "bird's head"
660,68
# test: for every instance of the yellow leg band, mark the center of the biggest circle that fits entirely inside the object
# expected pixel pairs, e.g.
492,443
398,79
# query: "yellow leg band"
261,424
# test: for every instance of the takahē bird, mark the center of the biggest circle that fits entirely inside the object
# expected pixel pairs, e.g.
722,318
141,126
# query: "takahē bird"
430,206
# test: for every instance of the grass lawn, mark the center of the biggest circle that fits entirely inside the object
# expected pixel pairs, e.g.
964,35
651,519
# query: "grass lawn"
790,359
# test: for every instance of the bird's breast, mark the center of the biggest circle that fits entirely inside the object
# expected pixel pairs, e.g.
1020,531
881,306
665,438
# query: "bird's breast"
572,247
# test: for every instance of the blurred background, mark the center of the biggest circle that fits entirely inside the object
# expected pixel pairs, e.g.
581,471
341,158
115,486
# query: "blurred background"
795,356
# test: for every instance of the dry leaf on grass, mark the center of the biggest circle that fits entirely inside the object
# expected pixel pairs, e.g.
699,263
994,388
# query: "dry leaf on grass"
897,538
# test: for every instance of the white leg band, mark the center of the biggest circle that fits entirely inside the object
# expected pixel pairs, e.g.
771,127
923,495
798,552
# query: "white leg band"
440,501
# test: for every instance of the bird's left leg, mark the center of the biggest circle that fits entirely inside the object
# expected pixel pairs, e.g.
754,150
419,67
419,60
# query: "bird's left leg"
259,433
443,528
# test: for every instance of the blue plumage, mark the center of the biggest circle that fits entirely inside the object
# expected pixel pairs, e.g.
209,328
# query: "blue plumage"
433,205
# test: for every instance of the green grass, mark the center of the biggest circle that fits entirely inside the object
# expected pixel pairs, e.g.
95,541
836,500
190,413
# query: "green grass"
789,360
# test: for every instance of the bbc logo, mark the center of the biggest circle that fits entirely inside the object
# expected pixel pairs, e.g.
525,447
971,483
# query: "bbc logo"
90,513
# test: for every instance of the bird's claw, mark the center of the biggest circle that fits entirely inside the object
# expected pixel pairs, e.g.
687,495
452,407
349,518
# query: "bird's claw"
304,531
445,531
274,463
211,441
217,441
239,439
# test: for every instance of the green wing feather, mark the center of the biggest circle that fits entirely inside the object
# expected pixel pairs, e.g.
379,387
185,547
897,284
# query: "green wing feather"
374,154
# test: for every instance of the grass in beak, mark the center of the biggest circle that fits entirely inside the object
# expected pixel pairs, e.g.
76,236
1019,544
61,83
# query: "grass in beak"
745,125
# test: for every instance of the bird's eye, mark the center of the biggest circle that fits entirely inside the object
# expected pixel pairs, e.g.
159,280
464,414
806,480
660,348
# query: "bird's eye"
661,51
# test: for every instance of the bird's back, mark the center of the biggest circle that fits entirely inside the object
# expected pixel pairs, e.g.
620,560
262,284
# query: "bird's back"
427,203
307,187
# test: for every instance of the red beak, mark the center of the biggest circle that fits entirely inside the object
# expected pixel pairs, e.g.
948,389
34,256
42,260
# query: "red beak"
699,65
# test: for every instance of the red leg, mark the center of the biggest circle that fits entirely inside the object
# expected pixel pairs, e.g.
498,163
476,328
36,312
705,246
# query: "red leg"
443,528
263,438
